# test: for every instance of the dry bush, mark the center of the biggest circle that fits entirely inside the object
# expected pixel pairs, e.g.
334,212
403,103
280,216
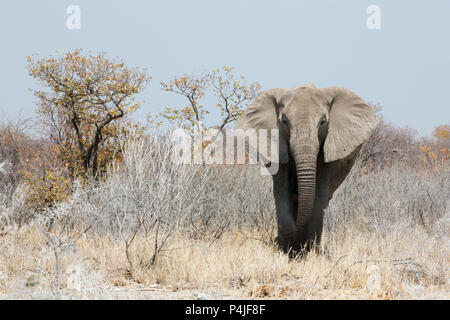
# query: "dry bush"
156,223
30,162
13,213
16,146
391,200
149,197
203,200
46,179
390,144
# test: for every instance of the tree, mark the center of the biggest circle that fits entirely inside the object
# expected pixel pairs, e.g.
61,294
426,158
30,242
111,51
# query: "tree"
86,110
193,89
233,95
388,143
436,152
442,133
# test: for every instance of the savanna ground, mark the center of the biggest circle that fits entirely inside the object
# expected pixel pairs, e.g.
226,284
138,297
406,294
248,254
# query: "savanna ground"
156,230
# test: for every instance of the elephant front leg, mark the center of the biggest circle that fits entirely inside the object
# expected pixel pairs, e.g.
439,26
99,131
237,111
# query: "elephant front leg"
310,238
284,208
314,229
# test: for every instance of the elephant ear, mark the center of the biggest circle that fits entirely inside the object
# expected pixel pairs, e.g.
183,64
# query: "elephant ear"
262,114
351,123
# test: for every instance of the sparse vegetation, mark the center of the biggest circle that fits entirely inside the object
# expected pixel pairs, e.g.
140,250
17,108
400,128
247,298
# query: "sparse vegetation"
154,229
95,208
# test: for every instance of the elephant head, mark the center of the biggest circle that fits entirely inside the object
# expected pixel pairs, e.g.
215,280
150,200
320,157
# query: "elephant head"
333,121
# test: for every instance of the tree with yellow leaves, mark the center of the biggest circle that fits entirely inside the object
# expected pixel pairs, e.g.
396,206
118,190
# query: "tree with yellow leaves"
86,110
193,89
436,153
442,133
233,95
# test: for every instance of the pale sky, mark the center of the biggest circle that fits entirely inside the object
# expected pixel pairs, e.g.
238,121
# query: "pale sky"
405,65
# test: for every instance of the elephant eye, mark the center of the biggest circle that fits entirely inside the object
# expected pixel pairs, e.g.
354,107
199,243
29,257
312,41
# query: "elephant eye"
323,121
284,119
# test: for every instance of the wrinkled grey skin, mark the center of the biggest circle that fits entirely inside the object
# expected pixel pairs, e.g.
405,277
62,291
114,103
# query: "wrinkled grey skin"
321,133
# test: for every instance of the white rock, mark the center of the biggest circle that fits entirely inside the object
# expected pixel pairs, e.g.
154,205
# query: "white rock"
2,170
373,283
201,296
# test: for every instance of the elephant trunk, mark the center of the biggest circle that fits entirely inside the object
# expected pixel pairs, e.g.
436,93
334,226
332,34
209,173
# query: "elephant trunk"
306,185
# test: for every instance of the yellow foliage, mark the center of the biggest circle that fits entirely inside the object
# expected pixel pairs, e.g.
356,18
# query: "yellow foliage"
88,104
46,181
442,132
433,156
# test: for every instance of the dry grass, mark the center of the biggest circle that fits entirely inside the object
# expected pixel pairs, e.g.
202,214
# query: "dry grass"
154,230
359,265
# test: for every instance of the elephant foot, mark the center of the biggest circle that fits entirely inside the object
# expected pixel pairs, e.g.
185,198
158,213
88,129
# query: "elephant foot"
289,246
285,243
309,244
297,246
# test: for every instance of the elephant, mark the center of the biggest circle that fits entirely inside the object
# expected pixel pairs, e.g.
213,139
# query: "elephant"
321,131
